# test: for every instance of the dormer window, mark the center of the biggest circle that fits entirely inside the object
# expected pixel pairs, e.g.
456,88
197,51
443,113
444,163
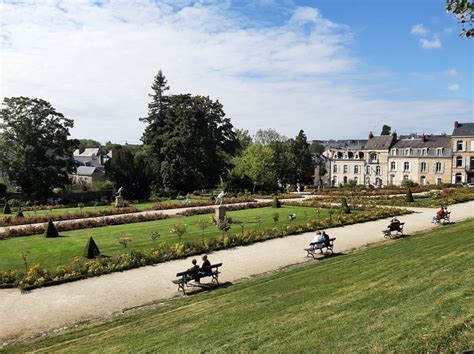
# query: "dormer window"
393,152
439,151
407,152
424,152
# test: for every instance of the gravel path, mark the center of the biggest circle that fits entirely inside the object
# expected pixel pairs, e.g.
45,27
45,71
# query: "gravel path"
57,307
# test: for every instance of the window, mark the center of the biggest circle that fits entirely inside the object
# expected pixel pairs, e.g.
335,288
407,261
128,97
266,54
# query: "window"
439,151
407,152
367,170
356,180
423,167
459,161
378,170
373,157
393,152
334,169
344,169
423,180
405,177
393,166
438,167
406,166
424,152
458,178
356,169
459,145
345,155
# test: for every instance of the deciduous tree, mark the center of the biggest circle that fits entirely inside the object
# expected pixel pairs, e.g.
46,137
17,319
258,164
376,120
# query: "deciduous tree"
36,151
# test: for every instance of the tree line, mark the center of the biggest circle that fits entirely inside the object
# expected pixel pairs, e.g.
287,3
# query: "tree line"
188,144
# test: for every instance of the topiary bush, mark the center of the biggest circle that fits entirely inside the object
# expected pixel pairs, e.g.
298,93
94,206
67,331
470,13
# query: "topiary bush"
6,209
92,250
19,214
345,207
409,196
276,203
51,230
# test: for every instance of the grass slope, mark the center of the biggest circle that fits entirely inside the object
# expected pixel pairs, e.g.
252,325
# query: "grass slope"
408,295
51,252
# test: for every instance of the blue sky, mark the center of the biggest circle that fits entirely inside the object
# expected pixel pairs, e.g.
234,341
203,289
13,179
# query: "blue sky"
335,68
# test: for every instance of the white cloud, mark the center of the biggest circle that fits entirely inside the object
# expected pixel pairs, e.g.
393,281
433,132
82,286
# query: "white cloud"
454,87
435,43
419,30
451,73
95,64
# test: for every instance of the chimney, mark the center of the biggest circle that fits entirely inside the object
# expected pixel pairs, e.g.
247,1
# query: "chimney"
424,138
371,135
456,124
394,136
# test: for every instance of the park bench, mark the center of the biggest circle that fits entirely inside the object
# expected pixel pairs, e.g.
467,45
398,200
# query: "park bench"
184,278
397,229
445,220
314,247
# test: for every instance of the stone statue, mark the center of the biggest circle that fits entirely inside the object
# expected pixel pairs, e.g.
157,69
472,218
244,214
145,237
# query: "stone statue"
119,192
220,197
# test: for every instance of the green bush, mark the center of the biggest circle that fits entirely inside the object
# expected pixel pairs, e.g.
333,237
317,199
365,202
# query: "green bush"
276,203
6,209
91,251
51,230
19,214
345,207
409,197
407,183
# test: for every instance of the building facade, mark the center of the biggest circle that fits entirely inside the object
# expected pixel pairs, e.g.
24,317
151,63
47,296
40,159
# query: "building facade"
422,159
463,153
376,151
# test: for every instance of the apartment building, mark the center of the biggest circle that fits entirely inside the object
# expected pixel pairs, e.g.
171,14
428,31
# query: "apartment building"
463,153
422,159
347,162
376,152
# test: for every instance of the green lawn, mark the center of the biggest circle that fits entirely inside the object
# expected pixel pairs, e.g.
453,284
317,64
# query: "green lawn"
51,252
407,295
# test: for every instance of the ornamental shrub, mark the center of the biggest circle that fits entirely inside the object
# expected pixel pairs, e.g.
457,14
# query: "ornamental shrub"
409,197
6,209
276,203
345,207
51,230
91,251
19,214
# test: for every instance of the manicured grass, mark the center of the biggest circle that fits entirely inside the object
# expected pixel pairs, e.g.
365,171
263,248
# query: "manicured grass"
407,295
51,252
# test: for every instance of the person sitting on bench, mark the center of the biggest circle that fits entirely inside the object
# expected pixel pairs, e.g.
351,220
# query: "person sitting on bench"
326,239
394,225
318,237
205,267
194,269
439,215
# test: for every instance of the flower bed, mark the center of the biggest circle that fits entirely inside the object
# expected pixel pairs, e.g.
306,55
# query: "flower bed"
188,203
14,221
81,268
210,210
82,224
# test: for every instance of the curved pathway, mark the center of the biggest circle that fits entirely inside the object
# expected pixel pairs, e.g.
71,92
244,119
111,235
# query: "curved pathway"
30,314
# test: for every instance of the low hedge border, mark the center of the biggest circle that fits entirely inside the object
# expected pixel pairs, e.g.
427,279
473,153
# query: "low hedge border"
80,268
16,221
210,210
82,224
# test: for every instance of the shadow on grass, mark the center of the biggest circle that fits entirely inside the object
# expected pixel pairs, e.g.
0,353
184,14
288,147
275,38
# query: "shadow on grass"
322,256
197,288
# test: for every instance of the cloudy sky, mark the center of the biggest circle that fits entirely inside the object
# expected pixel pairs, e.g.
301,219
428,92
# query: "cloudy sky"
333,68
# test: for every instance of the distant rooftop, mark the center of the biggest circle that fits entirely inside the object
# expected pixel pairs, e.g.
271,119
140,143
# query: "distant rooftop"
463,129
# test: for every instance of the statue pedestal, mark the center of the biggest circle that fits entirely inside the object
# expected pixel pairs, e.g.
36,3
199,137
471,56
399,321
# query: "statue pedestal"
118,201
220,213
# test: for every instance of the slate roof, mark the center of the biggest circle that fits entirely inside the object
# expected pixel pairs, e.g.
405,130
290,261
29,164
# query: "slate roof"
383,142
431,144
464,129
87,171
344,144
